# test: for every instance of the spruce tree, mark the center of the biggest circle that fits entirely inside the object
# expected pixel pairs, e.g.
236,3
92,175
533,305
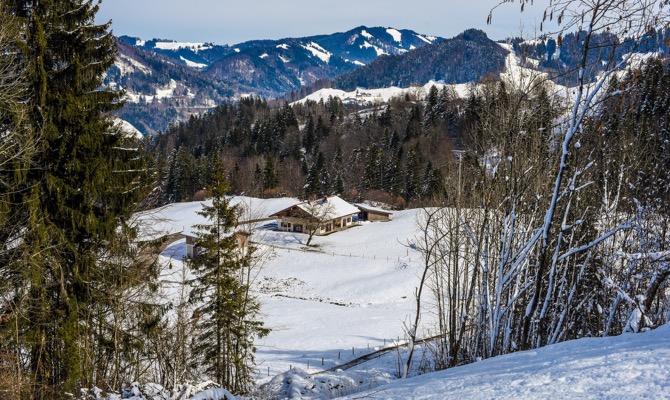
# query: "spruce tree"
84,180
270,180
226,313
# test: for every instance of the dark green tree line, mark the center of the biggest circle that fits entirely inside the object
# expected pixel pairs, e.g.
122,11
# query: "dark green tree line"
84,178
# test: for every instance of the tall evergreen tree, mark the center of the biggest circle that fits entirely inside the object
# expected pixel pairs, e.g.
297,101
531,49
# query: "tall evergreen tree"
83,184
227,312
270,180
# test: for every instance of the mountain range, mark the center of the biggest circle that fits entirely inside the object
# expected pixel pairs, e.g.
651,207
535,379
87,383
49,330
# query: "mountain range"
167,81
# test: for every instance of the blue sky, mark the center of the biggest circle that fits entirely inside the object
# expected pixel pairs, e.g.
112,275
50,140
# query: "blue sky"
230,22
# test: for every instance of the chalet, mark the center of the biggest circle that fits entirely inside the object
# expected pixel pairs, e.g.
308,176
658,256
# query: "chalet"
241,241
323,215
370,213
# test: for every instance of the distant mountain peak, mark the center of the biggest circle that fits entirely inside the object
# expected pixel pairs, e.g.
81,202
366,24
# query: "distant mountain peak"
181,78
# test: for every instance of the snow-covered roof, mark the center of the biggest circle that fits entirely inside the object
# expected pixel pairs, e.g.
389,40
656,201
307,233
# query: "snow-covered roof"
193,233
367,207
327,208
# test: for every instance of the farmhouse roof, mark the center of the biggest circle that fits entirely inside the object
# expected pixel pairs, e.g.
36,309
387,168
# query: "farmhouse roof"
192,232
369,208
330,207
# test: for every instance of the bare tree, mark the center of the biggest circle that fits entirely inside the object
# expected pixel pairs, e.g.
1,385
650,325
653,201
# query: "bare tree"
318,213
538,225
17,144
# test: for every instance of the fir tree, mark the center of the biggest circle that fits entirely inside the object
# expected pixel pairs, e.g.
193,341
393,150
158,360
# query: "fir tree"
309,138
270,180
226,313
85,179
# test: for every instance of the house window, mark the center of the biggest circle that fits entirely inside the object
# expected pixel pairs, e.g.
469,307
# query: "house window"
349,220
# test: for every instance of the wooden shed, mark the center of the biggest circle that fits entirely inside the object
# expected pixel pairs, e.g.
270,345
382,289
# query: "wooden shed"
370,213
241,241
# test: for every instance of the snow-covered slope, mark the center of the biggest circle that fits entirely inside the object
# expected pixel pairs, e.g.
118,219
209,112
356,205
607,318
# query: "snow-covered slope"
516,74
383,95
631,366
350,294
352,289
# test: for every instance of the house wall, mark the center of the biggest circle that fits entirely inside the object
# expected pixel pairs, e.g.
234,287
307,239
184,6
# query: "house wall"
190,246
288,224
241,241
372,216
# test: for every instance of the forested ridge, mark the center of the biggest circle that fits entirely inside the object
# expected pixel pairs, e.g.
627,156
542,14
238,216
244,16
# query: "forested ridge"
396,151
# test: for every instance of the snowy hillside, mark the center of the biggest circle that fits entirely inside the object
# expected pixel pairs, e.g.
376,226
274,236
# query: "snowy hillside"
382,95
515,73
631,366
351,293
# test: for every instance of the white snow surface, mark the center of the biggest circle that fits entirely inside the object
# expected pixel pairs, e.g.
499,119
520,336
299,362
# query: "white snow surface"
192,64
379,51
128,128
630,366
333,207
182,45
349,295
351,290
382,95
165,92
516,74
214,394
181,217
127,65
397,36
424,39
365,34
318,51
283,46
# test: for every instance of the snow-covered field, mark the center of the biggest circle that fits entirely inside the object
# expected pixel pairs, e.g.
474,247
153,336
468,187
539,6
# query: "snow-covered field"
383,95
350,294
631,366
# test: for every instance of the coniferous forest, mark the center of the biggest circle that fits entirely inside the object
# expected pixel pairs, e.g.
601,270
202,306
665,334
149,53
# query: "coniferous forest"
545,215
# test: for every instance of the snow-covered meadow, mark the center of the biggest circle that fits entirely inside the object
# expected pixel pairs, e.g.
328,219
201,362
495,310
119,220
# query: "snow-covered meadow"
351,294
350,290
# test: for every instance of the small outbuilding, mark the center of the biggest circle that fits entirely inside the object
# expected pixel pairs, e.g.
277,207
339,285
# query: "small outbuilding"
370,213
241,239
